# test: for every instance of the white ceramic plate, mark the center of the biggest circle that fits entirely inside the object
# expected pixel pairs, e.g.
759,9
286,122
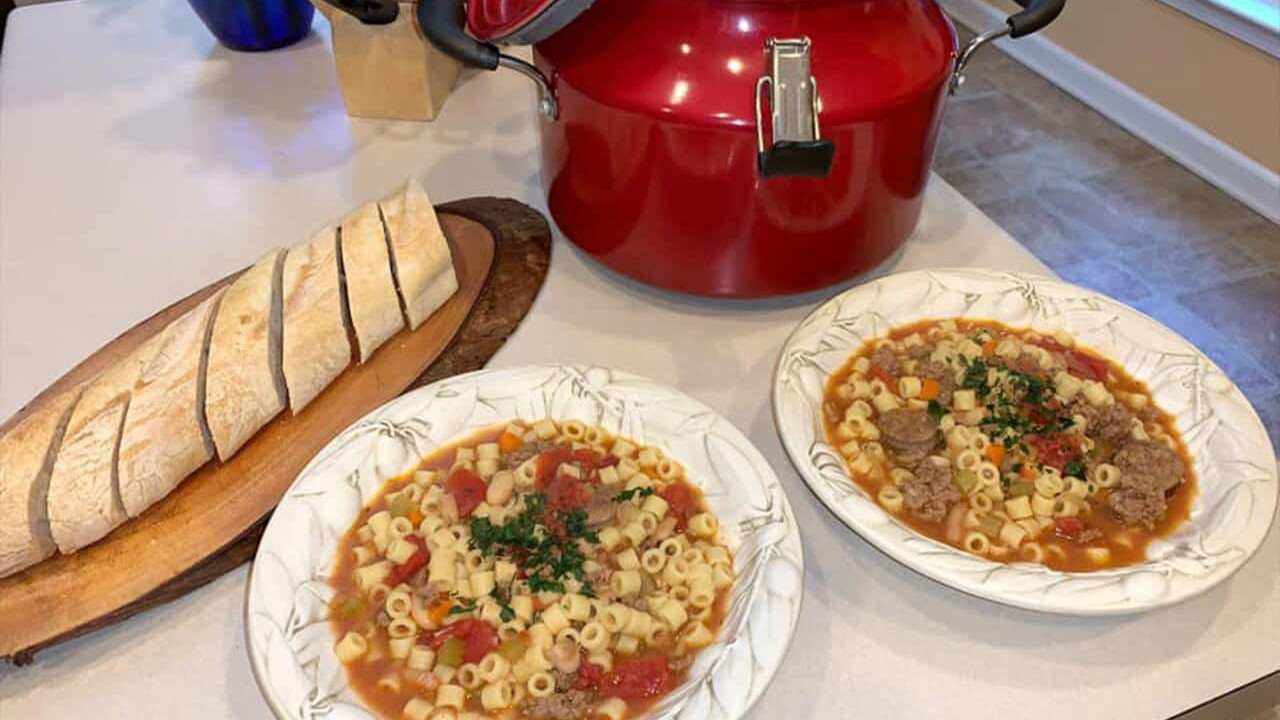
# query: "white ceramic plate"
290,641
1232,456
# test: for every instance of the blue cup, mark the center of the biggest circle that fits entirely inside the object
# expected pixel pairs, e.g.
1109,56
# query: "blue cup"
256,25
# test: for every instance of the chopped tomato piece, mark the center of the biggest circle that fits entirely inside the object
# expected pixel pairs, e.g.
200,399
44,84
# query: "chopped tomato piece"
548,462
439,637
1086,366
482,640
467,490
478,637
608,460
590,676
1069,527
416,562
1055,451
1080,364
639,677
509,442
1050,344
586,458
929,389
884,376
679,502
566,493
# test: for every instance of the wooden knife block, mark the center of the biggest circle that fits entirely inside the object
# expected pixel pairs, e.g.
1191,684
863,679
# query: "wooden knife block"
389,72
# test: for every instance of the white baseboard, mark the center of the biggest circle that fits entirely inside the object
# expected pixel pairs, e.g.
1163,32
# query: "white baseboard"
1235,173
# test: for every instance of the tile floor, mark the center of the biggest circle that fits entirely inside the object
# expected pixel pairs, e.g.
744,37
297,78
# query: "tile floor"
1107,211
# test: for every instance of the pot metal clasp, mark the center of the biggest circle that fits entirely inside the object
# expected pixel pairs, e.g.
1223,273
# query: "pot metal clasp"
797,148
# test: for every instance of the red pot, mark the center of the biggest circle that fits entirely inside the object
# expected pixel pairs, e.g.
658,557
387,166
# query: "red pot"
739,148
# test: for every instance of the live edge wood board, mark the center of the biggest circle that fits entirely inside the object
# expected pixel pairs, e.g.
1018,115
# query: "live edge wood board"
212,522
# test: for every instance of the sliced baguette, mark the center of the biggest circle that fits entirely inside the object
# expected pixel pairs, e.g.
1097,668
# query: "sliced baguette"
420,255
244,383
371,291
26,458
314,333
164,438
84,496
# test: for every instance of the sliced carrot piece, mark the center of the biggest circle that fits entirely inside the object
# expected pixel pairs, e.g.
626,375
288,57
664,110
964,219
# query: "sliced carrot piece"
989,347
929,389
415,517
995,453
509,442
440,611
1027,473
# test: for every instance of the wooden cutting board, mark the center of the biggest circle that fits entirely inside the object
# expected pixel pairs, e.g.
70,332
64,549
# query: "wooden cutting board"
212,522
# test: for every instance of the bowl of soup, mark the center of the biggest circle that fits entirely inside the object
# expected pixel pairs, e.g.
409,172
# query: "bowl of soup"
545,542
1025,440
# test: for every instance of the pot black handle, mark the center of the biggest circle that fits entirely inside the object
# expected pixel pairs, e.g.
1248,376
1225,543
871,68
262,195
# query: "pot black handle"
1036,14
369,12
443,23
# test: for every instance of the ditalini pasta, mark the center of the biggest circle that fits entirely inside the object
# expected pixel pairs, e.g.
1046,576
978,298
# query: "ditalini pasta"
537,570
1008,443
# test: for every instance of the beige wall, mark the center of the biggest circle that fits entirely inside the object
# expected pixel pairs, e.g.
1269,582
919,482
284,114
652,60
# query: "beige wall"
1226,87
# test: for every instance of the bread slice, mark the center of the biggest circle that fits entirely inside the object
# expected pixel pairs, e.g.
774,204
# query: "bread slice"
371,291
420,256
315,347
164,438
26,458
84,497
244,382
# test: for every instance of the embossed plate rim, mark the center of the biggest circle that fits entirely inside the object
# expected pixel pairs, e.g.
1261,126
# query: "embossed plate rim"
826,334
290,649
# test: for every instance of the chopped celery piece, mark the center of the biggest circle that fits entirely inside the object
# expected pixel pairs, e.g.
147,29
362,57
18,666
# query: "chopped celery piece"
450,653
991,525
348,606
966,480
1018,488
512,649
647,584
401,505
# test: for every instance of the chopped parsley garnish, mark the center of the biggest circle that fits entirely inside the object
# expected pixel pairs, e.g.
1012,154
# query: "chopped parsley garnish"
1033,387
543,543
539,583
575,525
975,377
633,493
459,609
505,613
936,411
520,533
1019,405
1074,469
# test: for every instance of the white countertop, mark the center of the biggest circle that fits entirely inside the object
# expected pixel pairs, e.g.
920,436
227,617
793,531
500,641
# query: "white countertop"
139,161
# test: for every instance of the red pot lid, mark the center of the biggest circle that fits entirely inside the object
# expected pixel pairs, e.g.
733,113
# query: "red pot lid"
520,22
